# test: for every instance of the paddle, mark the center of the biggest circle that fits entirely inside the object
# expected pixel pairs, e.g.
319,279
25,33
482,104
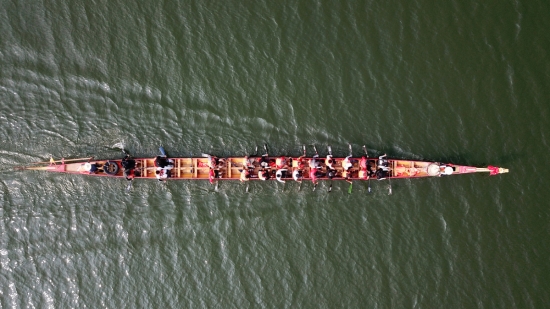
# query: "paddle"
329,149
351,182
161,149
127,154
368,167
59,161
389,180
317,154
301,180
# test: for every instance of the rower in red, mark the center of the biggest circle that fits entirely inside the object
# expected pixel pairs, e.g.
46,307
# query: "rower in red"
313,168
363,172
281,163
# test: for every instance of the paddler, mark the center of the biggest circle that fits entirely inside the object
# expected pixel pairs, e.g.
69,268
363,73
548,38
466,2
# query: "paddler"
363,163
264,161
128,165
313,162
246,163
297,174
383,162
347,164
263,174
212,160
160,161
299,162
331,173
91,168
161,174
280,174
346,174
363,172
245,175
211,175
313,175
280,163
381,174
329,161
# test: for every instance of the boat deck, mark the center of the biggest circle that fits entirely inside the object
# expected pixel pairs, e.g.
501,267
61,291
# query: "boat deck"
230,168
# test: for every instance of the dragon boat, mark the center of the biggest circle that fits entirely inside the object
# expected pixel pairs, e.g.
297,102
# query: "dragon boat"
261,167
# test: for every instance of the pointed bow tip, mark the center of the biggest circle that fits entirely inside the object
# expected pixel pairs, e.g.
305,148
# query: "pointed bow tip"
494,170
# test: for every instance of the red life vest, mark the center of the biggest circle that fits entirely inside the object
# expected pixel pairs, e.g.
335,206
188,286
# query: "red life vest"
312,175
363,163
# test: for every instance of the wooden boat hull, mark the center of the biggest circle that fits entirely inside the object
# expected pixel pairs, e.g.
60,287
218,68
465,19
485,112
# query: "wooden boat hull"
230,168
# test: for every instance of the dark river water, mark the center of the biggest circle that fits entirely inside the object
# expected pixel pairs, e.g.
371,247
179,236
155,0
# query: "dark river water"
458,81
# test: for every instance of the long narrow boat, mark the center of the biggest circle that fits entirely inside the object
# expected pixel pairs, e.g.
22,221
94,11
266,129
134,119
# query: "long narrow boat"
232,168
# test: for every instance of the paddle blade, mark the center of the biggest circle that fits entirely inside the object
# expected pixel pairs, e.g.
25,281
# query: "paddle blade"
119,145
162,152
350,188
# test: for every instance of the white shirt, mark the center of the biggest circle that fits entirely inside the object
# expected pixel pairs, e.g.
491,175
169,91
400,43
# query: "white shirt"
296,175
162,173
279,174
260,175
347,164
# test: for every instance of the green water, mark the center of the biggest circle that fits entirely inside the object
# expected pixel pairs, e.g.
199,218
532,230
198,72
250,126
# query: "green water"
463,82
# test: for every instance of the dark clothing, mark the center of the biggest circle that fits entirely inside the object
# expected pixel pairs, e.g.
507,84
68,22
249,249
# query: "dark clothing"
129,174
161,162
264,162
128,163
381,174
93,169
